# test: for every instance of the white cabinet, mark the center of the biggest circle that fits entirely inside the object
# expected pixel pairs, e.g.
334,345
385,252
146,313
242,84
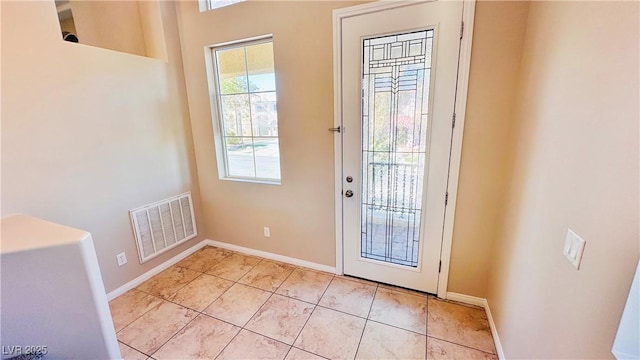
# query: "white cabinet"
52,292
627,342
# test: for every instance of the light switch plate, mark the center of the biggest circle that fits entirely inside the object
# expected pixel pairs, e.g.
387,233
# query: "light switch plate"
573,248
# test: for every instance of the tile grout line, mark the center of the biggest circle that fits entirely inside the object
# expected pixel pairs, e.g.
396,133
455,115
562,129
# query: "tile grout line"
307,321
185,284
202,312
212,301
261,306
243,327
426,332
227,345
270,296
450,341
462,345
274,292
341,311
218,277
310,352
250,270
184,307
285,279
270,338
366,320
141,315
328,308
395,327
386,288
292,298
131,347
280,341
205,314
232,281
174,335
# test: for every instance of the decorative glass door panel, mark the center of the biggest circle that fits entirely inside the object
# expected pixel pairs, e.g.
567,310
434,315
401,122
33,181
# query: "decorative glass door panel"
395,103
397,81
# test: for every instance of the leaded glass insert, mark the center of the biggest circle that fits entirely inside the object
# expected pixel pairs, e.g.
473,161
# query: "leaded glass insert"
396,74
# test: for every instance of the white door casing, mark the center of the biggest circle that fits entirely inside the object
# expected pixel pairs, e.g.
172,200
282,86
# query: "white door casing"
351,27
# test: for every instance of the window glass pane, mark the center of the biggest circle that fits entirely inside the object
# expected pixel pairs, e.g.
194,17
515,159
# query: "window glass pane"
236,115
240,160
215,4
247,101
265,114
261,70
395,102
267,158
232,72
381,127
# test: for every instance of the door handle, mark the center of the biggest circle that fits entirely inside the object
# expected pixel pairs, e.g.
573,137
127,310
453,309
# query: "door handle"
335,129
348,193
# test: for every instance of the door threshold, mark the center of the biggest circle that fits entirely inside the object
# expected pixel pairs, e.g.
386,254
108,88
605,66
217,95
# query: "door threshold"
390,286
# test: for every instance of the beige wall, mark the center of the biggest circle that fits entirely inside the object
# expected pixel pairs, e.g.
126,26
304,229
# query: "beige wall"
111,25
88,134
575,165
495,60
300,212
68,25
551,141
133,27
152,28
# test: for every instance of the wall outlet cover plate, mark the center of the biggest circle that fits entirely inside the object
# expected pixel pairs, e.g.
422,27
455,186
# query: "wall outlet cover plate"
122,258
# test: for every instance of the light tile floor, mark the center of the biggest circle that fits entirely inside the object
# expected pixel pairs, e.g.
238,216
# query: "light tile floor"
218,304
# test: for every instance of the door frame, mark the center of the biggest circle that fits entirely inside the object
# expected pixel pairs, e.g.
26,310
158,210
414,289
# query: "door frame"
464,63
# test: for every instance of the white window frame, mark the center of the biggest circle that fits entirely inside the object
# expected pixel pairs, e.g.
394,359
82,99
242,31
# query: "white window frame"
216,110
206,5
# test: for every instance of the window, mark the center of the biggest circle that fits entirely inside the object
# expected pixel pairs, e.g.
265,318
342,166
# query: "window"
215,4
246,113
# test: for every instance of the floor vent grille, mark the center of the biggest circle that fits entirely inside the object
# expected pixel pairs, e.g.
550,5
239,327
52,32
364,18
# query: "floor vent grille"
163,225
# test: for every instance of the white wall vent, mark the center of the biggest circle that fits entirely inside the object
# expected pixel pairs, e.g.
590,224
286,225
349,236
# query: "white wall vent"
163,225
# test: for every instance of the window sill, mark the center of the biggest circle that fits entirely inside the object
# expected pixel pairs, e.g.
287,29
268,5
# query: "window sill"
252,180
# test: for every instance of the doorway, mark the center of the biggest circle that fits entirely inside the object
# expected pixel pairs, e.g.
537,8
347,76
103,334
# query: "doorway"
397,79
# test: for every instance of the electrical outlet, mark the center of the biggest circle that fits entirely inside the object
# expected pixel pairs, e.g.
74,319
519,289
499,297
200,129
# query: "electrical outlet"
122,258
267,232
573,248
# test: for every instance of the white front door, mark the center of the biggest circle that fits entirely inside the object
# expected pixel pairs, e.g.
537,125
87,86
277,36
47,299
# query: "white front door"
398,85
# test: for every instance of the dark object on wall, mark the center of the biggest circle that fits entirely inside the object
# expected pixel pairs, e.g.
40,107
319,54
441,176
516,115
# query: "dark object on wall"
67,36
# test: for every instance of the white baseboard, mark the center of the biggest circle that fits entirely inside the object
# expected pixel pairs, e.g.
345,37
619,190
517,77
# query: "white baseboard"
174,260
473,300
494,332
156,270
272,256
467,299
